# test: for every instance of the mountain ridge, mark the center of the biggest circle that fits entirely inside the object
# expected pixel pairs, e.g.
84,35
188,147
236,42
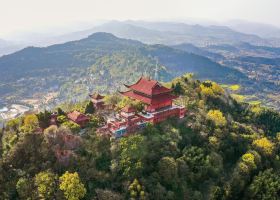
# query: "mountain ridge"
100,60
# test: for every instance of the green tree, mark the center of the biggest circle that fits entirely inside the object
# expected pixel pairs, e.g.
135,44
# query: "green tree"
198,164
9,139
71,186
89,109
217,117
210,88
75,128
30,153
24,188
168,170
132,150
50,132
249,160
107,195
269,120
46,184
136,191
112,100
13,124
30,123
61,119
60,111
125,101
178,89
264,145
265,186
44,119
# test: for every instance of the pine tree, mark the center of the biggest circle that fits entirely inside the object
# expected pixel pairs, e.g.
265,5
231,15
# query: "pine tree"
89,108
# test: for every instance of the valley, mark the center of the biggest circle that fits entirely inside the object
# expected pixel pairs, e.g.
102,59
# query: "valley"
259,64
100,62
44,77
140,100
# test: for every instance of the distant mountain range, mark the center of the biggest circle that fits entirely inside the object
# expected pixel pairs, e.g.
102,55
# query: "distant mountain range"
99,61
168,33
262,30
95,60
198,51
7,47
171,33
84,52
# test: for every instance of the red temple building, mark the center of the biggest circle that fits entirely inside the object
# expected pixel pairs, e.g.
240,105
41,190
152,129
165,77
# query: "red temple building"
97,100
125,122
78,118
158,102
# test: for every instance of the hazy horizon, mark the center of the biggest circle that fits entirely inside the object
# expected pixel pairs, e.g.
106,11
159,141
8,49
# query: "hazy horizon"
58,17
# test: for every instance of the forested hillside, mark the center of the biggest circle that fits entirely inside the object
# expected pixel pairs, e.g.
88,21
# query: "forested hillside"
222,149
99,62
259,63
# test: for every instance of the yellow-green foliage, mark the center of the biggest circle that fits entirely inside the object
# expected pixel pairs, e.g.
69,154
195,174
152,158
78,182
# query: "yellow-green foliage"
46,184
78,106
188,75
112,100
254,102
249,160
264,145
234,87
8,142
256,109
132,149
124,102
30,123
207,91
61,119
72,126
278,137
129,102
243,168
24,189
13,124
136,190
214,141
201,104
217,117
238,97
210,88
71,186
167,84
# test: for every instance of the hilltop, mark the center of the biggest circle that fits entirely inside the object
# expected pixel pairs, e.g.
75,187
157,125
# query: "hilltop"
101,61
222,149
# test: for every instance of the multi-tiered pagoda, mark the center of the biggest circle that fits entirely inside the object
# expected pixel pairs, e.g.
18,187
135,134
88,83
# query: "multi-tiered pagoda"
157,98
97,100
158,102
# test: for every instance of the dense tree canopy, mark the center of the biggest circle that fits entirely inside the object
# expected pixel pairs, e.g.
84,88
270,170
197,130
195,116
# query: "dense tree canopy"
71,186
265,186
46,184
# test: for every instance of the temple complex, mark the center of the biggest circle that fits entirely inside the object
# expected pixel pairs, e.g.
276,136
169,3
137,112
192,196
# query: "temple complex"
159,106
97,100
